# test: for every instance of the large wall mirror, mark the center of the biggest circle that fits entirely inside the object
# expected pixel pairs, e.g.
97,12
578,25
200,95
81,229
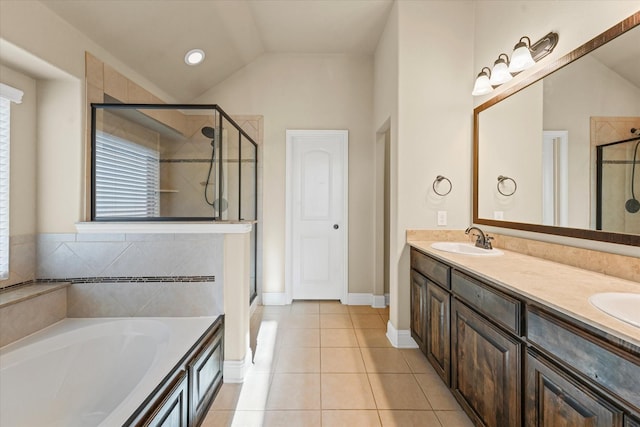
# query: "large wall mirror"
559,153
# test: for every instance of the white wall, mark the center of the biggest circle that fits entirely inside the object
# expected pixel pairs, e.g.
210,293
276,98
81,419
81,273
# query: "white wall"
298,91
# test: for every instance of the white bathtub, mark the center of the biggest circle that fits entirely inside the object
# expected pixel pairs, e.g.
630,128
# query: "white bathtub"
89,372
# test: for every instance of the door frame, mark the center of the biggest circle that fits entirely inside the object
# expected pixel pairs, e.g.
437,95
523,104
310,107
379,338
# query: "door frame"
288,264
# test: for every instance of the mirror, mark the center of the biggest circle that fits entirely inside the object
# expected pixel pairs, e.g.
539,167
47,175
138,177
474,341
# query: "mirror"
536,162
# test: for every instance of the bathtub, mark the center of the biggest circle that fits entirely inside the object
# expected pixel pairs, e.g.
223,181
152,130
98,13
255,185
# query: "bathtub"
90,372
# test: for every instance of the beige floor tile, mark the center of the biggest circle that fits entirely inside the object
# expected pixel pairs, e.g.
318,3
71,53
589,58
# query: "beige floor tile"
338,338
305,307
234,419
365,321
299,338
372,338
228,397
346,391
437,393
362,309
335,321
292,419
276,309
454,419
341,360
398,391
298,360
385,318
306,321
333,307
417,361
254,393
409,418
294,391
384,360
362,418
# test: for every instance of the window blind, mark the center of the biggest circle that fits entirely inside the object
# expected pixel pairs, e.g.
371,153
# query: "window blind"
5,110
127,178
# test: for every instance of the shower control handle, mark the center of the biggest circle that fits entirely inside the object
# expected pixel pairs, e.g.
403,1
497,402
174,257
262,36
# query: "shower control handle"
336,226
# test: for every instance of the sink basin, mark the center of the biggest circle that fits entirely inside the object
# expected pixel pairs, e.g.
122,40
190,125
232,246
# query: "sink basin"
622,306
465,249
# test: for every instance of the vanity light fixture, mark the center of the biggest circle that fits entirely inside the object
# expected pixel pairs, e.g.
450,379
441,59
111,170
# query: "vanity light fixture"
525,54
194,57
482,85
500,72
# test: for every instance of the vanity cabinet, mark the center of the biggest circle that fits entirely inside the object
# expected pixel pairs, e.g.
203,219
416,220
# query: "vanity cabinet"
486,368
418,309
183,397
554,398
438,338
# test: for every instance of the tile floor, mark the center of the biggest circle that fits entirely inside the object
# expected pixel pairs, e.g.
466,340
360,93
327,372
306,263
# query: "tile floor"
327,364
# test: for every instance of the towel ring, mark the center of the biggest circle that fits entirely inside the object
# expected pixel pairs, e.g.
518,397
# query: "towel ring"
437,181
502,179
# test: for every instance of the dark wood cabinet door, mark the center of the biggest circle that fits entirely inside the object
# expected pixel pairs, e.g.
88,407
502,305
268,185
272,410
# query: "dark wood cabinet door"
553,399
205,376
628,422
486,369
173,410
438,338
418,309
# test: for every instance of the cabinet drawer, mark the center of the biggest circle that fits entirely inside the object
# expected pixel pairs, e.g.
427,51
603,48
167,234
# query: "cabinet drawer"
615,371
495,305
429,267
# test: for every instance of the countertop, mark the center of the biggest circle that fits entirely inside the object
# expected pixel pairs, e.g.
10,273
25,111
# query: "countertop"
563,288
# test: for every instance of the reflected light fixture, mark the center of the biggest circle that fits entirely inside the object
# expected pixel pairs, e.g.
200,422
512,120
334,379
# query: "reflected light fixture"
194,57
482,85
500,72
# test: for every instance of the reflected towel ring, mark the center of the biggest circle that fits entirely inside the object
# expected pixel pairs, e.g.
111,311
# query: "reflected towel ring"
437,181
501,180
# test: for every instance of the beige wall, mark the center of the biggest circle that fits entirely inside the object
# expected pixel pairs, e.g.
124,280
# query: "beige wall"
308,92
500,24
36,31
23,154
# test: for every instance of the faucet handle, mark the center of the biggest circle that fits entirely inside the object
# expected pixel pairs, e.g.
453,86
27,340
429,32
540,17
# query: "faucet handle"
487,241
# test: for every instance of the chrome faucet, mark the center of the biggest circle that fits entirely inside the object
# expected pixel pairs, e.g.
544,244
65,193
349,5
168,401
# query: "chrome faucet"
483,240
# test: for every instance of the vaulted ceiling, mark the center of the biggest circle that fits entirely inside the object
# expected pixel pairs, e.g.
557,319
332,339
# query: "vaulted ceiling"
152,36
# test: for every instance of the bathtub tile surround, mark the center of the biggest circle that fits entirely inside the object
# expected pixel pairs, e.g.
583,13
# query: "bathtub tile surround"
621,266
20,318
145,299
22,256
128,255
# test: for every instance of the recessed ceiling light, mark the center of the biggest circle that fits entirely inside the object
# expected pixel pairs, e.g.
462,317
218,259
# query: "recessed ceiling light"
194,57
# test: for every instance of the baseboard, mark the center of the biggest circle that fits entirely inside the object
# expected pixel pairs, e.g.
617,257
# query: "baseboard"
387,300
274,298
400,338
379,301
359,299
234,371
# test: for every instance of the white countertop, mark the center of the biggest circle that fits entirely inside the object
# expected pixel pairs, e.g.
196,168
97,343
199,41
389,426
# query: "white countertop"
561,287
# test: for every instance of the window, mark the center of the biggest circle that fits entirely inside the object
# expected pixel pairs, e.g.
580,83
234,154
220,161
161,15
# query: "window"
8,94
127,178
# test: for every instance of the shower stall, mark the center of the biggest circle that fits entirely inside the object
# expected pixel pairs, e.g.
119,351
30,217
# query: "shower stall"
618,185
168,162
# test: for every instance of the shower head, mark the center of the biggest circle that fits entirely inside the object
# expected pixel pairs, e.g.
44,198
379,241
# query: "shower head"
209,132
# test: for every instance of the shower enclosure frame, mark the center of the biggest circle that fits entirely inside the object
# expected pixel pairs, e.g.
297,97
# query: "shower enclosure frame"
241,133
599,177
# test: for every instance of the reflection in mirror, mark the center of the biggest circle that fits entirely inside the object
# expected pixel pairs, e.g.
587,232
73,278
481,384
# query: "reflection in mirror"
544,135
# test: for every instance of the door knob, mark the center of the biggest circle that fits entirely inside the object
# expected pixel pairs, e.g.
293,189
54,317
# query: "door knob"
336,226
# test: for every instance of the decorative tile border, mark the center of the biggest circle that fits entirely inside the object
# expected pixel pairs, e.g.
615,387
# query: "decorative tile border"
124,279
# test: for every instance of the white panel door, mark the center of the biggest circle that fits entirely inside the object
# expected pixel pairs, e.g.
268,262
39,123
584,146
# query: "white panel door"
317,164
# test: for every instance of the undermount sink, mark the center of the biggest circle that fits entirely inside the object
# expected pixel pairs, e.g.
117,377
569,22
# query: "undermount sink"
465,249
621,305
